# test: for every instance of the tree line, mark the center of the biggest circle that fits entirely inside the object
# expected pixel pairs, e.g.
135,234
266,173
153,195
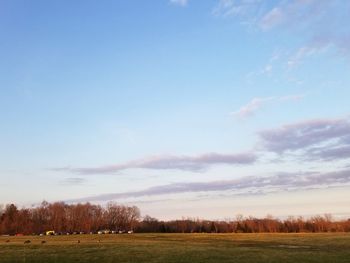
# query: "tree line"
67,218
246,225
89,218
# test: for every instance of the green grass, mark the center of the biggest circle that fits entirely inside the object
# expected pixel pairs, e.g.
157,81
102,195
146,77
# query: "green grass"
192,248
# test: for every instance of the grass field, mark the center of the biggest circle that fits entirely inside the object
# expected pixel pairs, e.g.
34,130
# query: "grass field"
163,248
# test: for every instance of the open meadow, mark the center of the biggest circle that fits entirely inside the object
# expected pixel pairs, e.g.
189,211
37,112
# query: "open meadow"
163,248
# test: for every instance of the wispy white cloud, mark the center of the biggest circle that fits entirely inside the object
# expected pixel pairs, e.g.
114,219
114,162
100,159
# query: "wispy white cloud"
338,44
272,18
315,16
241,8
263,15
268,69
73,181
179,2
319,23
255,104
169,162
306,51
251,107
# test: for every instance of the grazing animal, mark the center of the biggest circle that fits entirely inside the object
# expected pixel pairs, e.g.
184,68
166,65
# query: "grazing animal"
27,242
78,241
43,242
7,241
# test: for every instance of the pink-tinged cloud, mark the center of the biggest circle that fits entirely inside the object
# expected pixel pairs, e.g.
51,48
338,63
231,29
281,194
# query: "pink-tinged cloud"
320,139
170,162
256,104
272,18
251,107
242,186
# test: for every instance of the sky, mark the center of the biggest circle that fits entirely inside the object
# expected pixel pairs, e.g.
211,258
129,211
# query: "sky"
185,108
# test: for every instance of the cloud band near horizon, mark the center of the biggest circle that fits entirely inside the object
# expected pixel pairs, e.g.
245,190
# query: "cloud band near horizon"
169,162
241,186
310,140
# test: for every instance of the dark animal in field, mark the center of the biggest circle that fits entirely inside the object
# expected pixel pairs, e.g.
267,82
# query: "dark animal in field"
27,242
7,241
43,242
78,241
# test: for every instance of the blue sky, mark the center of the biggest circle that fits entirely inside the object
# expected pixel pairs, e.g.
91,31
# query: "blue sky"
184,108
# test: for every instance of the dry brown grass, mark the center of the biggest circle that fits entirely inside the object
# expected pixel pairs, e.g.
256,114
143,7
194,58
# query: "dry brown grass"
177,248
